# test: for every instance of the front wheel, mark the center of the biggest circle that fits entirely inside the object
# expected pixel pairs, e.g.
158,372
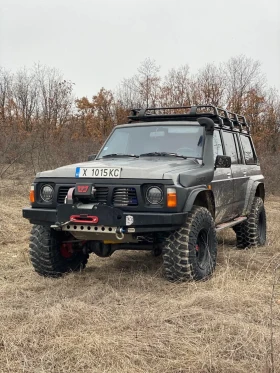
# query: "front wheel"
52,253
190,252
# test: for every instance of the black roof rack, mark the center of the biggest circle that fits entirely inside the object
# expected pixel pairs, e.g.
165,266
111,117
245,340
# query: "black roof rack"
220,116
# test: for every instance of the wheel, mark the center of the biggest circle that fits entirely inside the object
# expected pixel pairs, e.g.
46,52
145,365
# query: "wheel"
102,250
252,232
190,252
157,251
51,254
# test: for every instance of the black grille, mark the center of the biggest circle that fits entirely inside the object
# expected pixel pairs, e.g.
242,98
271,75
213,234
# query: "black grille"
62,193
100,195
125,197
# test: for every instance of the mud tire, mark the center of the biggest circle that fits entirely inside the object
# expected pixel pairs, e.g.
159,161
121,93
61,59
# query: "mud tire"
252,232
183,260
45,254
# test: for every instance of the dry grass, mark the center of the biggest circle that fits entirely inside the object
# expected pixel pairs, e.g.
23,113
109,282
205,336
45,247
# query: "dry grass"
120,315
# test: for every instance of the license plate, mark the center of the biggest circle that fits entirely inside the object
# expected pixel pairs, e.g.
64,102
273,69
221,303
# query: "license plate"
92,172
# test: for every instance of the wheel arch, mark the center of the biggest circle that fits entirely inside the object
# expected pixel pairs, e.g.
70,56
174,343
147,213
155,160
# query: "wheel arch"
260,191
254,189
202,197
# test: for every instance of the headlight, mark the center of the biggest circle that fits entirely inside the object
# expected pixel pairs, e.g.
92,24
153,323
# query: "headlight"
46,193
154,195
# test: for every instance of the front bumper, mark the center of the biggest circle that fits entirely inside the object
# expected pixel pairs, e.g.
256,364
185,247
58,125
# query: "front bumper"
106,216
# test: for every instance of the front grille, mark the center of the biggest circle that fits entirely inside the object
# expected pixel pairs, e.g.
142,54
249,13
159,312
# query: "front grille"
125,197
100,195
62,193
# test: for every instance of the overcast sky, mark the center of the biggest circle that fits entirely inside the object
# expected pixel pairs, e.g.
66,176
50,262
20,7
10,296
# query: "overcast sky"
97,43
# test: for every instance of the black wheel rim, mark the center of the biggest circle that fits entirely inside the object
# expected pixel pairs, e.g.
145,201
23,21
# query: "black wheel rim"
202,249
261,226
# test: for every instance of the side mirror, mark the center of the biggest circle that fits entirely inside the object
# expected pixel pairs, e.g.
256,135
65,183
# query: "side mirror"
223,161
92,157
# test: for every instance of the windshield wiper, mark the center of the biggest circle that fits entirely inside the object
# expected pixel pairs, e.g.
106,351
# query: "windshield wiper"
162,154
120,155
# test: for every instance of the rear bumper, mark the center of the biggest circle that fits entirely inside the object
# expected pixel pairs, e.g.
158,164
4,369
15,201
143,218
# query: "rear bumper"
107,216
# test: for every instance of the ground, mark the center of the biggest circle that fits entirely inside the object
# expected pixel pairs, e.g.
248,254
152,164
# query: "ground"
120,315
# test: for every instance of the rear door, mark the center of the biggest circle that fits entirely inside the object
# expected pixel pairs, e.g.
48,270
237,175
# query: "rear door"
238,169
251,166
222,184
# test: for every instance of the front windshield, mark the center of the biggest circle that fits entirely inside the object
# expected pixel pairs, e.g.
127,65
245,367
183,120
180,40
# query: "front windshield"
137,140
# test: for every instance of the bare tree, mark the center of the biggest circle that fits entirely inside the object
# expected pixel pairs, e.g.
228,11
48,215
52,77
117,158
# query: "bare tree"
176,89
211,85
242,74
25,93
6,81
142,90
55,99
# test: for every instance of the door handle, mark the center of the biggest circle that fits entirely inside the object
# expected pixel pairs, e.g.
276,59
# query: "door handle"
244,172
229,175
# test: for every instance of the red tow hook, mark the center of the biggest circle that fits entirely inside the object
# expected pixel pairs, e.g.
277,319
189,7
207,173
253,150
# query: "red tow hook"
85,219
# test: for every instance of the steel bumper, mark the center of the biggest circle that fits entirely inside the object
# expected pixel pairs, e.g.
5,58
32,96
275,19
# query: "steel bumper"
105,215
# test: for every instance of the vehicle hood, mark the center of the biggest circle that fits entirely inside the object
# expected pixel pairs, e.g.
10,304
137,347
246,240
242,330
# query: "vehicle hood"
132,168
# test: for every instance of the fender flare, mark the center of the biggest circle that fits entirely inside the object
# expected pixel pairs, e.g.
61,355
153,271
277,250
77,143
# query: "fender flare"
192,196
250,195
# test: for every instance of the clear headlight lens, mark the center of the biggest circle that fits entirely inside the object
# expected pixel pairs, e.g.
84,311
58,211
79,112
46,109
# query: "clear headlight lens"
154,195
46,193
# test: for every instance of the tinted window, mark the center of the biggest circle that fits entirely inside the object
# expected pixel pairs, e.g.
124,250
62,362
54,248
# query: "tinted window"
230,146
217,144
248,150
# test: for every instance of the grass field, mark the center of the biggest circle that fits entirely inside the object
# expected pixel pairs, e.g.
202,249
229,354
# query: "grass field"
120,315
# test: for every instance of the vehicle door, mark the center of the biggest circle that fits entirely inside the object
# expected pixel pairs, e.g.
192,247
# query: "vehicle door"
238,169
222,184
251,166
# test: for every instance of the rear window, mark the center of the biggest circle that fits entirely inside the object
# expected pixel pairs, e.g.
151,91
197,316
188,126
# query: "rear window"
249,154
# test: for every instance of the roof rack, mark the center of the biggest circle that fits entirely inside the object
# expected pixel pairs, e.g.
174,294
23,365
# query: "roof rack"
220,116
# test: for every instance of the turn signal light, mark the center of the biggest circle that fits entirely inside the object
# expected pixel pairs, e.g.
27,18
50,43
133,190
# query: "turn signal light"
32,194
171,197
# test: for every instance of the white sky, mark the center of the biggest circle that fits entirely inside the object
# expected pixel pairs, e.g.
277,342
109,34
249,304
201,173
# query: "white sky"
97,43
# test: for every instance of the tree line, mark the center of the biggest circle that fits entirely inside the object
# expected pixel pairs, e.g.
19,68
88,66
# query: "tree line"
44,125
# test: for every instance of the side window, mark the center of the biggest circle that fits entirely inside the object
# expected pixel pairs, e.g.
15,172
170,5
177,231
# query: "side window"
249,153
238,148
217,144
230,148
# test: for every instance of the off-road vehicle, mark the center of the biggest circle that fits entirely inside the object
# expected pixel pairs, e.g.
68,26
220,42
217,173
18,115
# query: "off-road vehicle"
167,182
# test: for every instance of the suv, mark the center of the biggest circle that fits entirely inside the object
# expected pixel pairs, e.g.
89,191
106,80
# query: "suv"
167,182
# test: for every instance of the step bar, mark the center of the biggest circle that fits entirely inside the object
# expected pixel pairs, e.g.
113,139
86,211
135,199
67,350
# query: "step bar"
231,223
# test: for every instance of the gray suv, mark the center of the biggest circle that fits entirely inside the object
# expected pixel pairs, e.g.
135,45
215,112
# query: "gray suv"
167,182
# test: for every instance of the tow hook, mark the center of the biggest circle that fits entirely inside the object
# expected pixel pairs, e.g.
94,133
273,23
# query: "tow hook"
120,233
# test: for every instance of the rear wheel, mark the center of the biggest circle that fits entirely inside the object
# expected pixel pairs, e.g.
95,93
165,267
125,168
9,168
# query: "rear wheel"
252,232
52,253
190,252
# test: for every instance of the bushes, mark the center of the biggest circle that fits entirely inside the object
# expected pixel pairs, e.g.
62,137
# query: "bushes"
270,165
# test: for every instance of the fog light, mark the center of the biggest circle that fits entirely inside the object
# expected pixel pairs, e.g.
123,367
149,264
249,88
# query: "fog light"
171,197
154,195
46,193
